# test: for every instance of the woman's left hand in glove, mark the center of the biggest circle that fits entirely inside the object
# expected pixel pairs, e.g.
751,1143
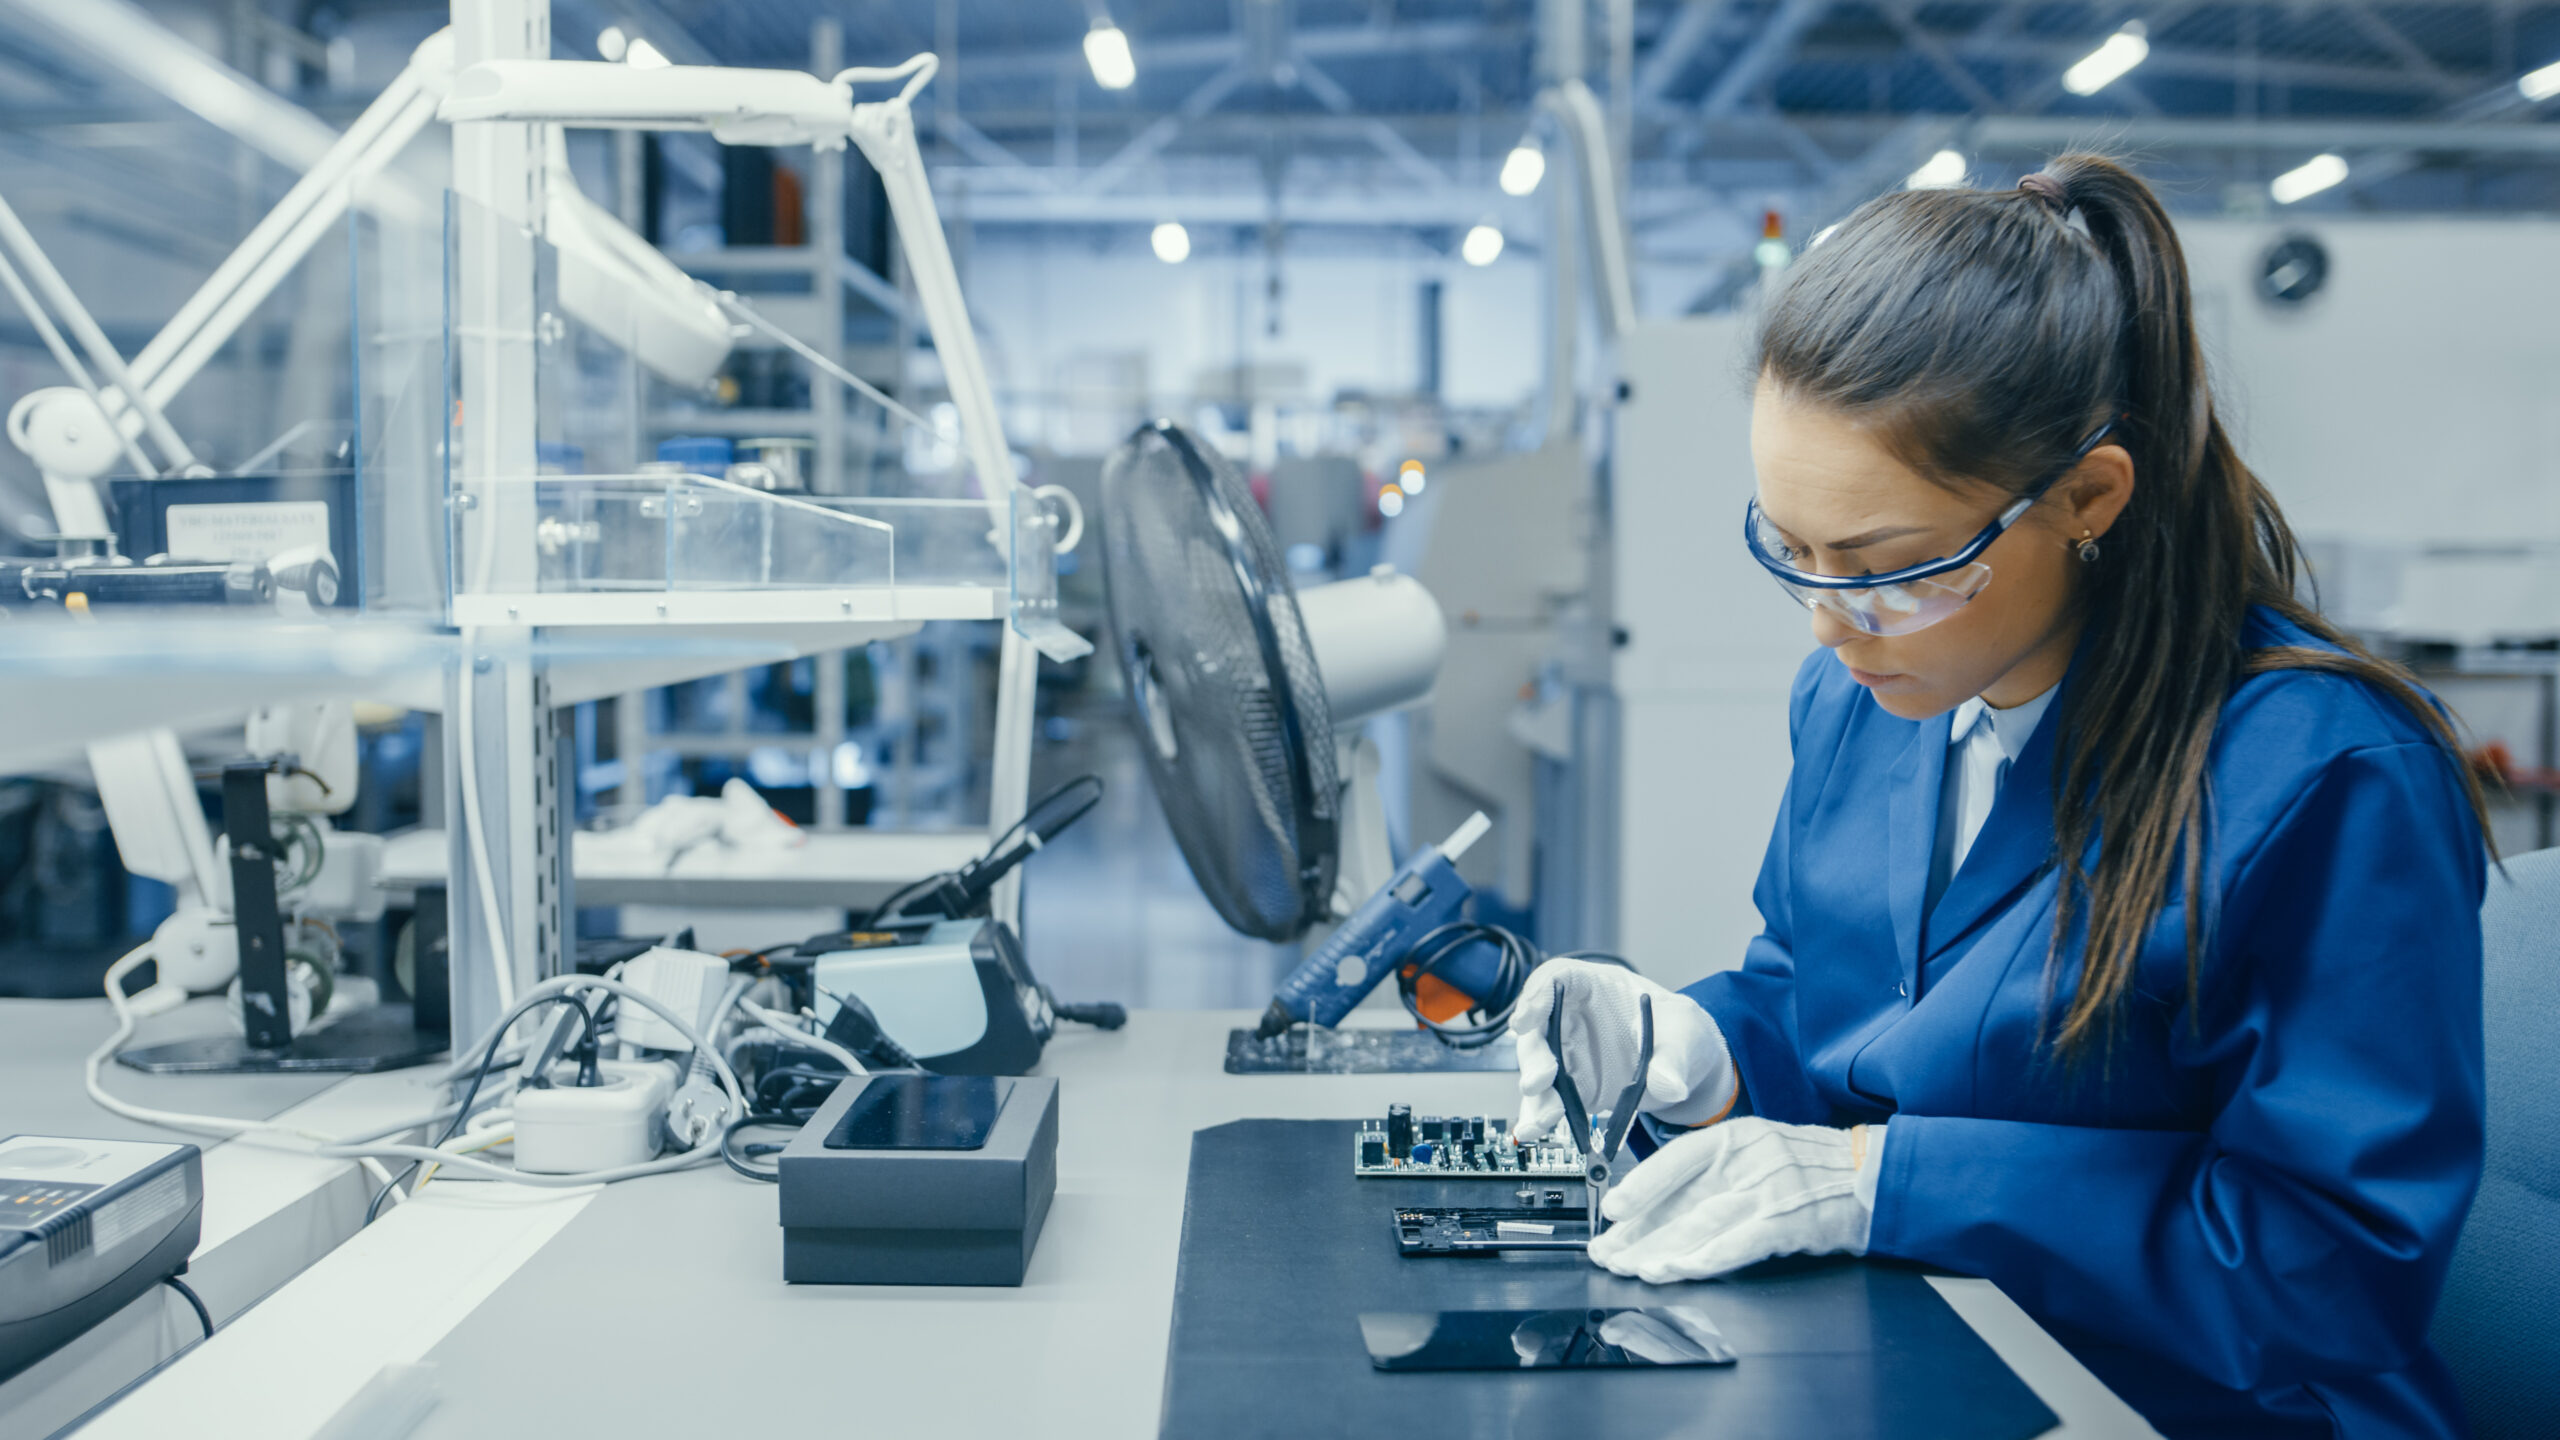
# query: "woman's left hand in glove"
1739,1192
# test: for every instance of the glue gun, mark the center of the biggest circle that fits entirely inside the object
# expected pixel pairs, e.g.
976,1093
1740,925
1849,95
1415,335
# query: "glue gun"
1424,895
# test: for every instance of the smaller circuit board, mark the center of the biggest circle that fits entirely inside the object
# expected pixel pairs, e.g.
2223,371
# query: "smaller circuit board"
1458,1230
1453,1147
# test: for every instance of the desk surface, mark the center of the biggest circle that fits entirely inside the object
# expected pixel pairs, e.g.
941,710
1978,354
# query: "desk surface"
268,1213
657,1306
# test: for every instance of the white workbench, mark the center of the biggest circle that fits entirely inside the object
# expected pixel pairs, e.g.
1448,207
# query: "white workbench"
268,1213
657,1307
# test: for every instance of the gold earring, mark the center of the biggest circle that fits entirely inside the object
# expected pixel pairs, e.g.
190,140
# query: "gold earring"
2088,548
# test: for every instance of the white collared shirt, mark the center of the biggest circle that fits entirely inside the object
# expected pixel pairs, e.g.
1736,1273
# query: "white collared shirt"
1982,743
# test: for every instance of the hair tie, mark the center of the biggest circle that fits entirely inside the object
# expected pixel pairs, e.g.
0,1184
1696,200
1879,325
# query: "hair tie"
2047,189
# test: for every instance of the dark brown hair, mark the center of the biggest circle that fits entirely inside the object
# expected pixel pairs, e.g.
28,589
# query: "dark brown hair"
1983,335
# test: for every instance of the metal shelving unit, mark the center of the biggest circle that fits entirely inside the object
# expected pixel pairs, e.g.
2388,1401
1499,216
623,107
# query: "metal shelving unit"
817,317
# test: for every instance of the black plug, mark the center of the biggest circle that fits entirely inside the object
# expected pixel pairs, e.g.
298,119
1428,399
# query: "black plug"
588,1075
858,1030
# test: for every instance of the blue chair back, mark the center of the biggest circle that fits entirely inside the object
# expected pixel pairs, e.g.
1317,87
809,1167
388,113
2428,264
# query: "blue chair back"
2498,1326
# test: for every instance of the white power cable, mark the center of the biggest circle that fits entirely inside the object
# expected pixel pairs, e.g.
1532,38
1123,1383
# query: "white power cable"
781,1025
561,985
128,1015
475,836
367,1148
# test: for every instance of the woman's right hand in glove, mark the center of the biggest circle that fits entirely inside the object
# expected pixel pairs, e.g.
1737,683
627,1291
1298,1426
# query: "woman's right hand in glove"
1690,1082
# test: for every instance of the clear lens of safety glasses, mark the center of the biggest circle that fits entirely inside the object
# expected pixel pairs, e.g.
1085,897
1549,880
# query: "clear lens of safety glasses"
1897,609
1896,602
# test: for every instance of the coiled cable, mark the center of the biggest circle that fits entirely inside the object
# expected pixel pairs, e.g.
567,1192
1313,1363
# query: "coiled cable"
1491,1011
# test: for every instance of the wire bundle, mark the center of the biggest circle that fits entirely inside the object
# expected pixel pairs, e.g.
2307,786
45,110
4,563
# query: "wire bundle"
457,1132
1492,1011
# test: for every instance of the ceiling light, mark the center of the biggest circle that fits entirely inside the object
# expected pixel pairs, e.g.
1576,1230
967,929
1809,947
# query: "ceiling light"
2105,65
1410,476
1390,501
2307,179
1942,171
1106,49
644,56
1482,246
2540,85
1522,169
611,42
1172,243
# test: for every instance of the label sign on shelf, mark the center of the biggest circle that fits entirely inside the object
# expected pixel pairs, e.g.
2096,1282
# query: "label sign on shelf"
246,530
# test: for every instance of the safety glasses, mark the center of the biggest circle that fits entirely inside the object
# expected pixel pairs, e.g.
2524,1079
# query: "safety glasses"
1914,597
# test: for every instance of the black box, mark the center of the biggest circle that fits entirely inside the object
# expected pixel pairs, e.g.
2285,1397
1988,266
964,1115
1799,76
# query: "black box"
218,518
921,1217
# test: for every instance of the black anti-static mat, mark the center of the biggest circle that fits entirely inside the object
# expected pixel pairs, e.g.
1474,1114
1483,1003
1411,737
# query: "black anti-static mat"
1282,1249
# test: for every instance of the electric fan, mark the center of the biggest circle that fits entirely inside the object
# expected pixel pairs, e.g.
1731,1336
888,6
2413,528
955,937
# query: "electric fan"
1246,695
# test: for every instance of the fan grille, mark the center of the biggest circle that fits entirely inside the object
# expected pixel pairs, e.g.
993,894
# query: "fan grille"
1230,713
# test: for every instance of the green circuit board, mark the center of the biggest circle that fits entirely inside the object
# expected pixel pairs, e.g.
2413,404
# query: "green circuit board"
1455,1147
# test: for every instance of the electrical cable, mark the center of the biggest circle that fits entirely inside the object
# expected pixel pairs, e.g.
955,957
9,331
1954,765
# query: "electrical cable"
1493,1009
1036,813
129,1014
779,1119
462,1111
368,1149
475,835
888,908
204,1317
820,1043
538,995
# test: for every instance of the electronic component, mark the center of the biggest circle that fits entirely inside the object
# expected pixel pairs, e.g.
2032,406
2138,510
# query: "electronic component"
1469,1230
1314,1050
1452,1147
85,1226
920,1180
955,994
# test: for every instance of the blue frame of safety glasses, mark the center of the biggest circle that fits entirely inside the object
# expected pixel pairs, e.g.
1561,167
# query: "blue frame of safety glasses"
1972,549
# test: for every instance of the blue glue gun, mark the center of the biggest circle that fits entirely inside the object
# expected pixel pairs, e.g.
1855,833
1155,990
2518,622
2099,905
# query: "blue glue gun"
1425,894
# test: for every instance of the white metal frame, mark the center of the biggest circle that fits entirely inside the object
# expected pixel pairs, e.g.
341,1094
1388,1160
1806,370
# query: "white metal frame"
504,91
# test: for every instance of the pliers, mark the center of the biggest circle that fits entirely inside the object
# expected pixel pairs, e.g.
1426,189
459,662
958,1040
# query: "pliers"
1599,1149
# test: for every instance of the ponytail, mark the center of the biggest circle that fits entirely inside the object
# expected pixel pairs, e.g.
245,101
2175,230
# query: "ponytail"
1979,334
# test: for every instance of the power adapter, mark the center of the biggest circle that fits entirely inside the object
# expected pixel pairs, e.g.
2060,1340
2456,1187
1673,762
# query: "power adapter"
566,1128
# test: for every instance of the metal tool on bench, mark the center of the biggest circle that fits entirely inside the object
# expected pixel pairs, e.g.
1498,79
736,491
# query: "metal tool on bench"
1599,1149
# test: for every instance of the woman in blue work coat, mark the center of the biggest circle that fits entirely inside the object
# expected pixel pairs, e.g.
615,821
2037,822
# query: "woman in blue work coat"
2122,934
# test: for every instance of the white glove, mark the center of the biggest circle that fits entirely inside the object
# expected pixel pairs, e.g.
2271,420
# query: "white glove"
1690,1082
1734,1194
1667,1335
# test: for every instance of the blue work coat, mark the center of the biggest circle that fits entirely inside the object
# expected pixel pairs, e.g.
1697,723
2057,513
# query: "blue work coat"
2242,1226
